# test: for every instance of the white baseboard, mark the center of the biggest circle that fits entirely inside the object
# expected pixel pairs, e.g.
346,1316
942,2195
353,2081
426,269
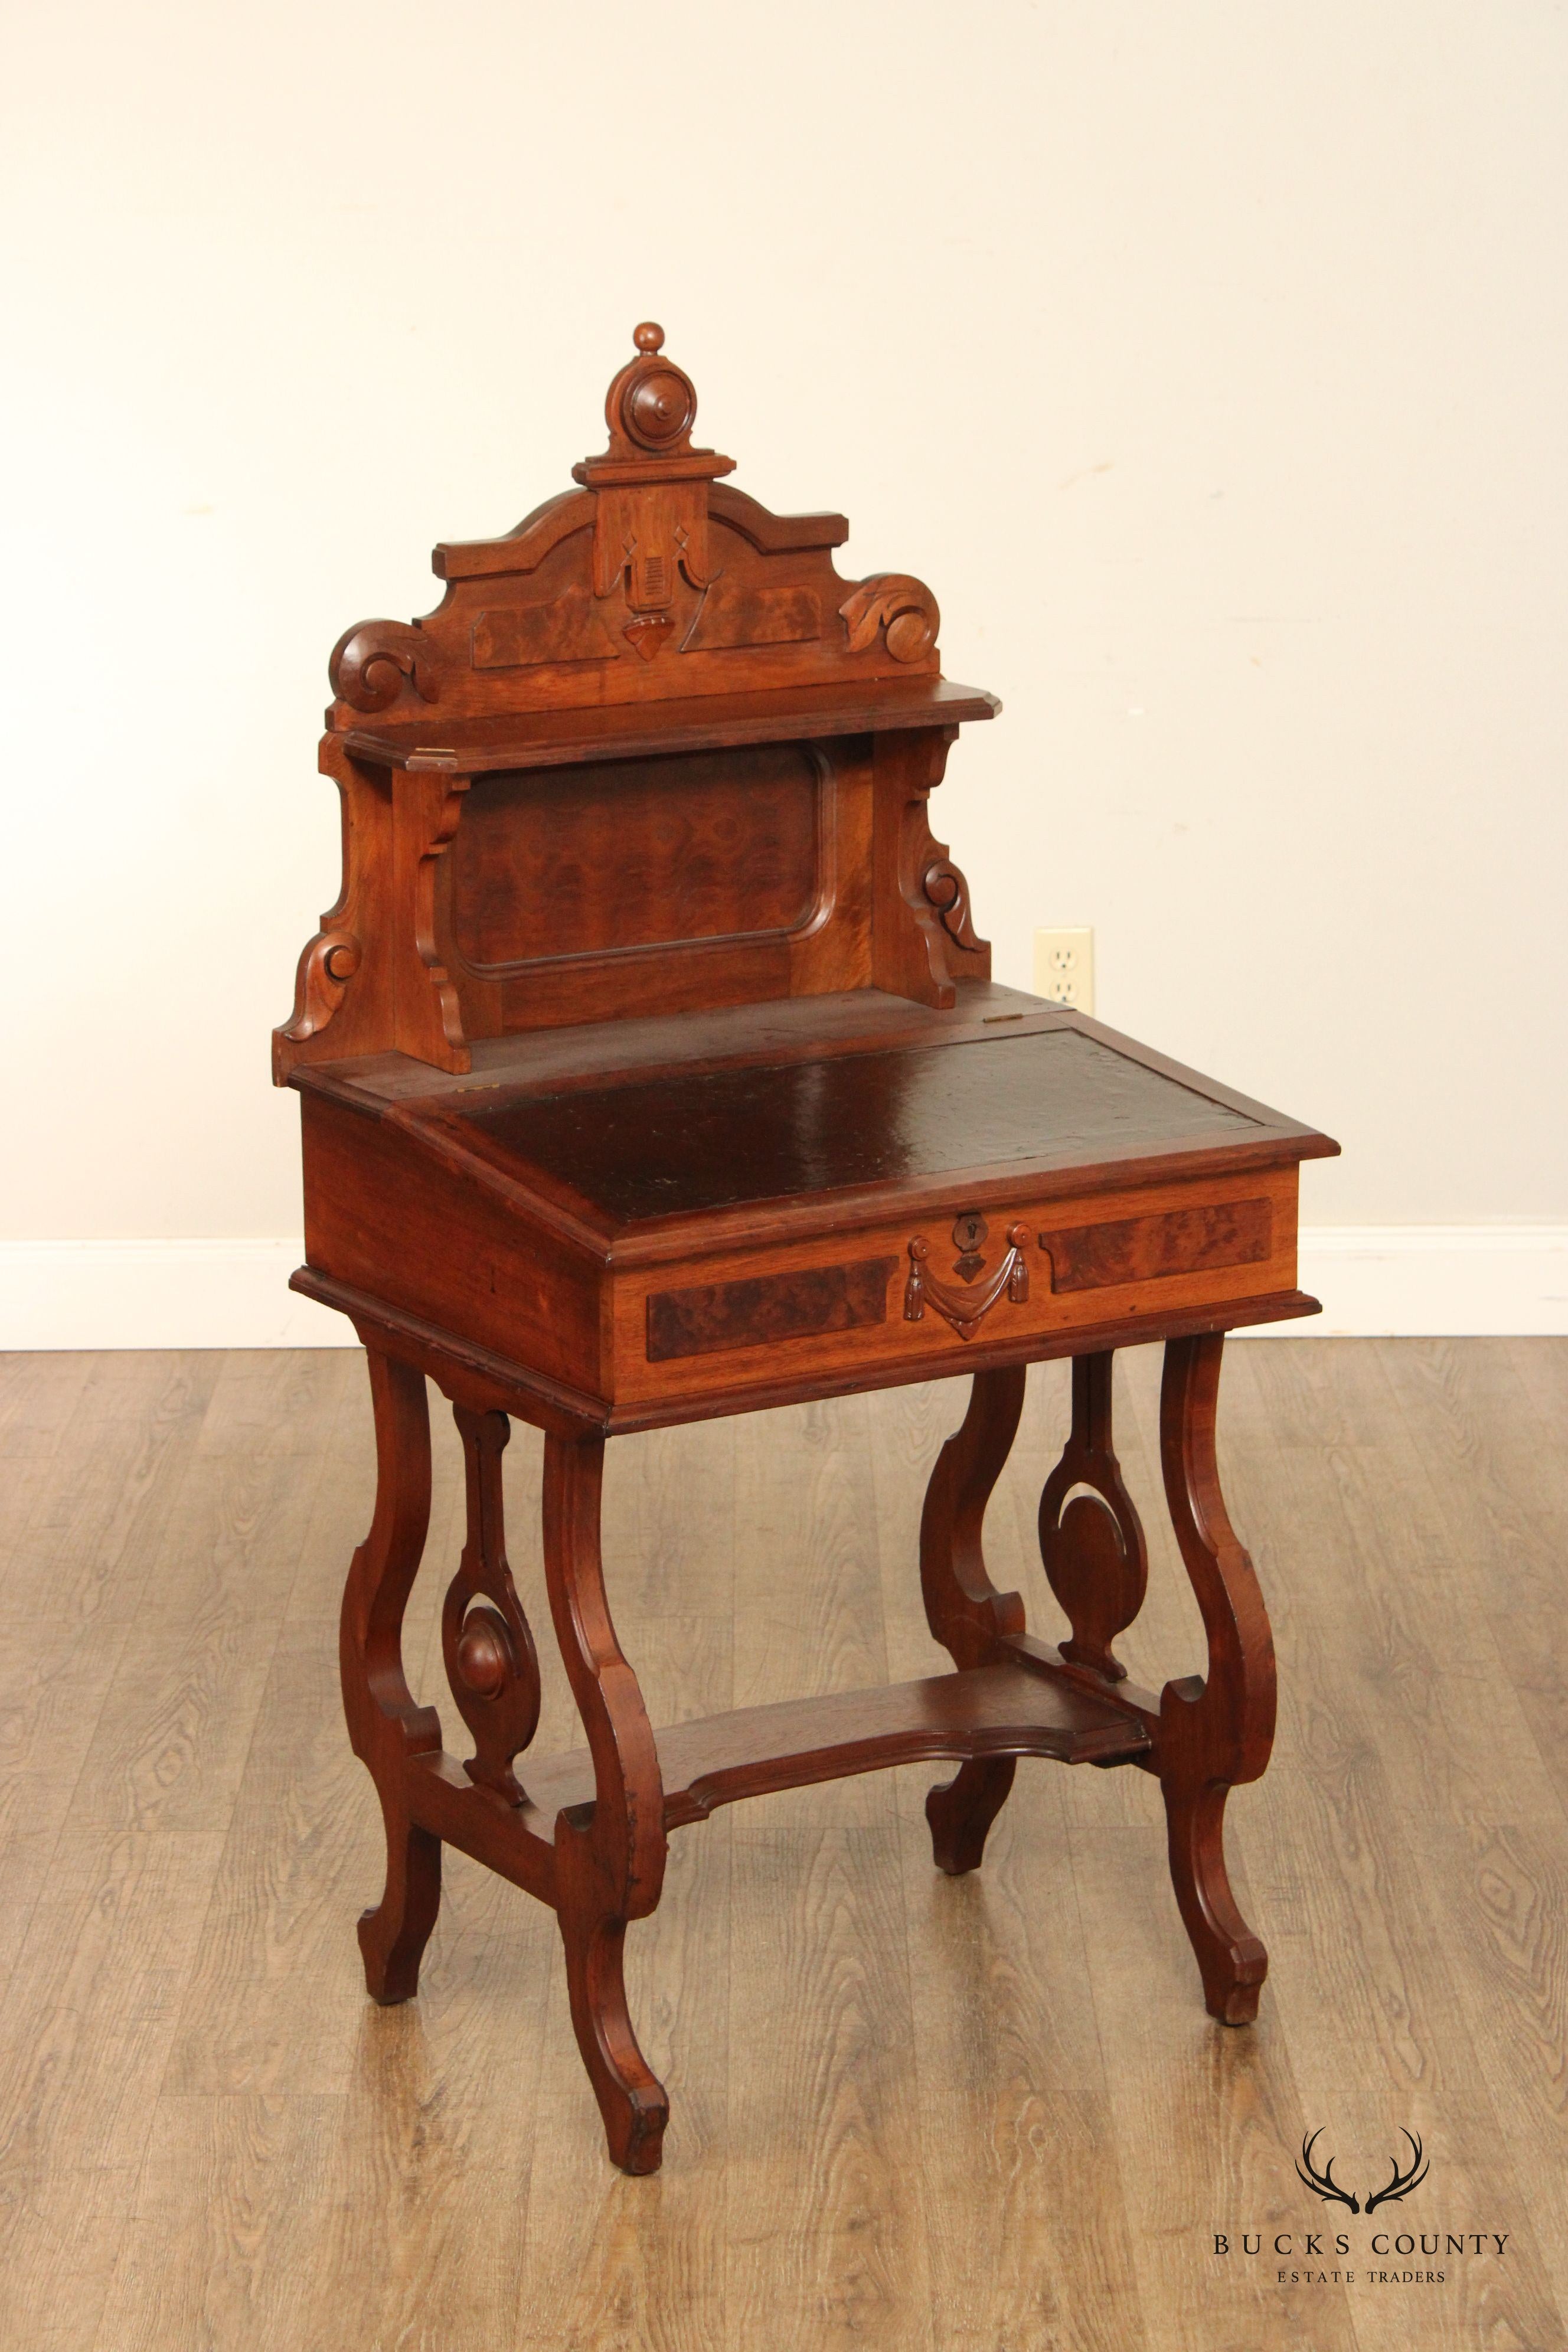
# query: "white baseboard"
165,1294
1419,1280
1431,1281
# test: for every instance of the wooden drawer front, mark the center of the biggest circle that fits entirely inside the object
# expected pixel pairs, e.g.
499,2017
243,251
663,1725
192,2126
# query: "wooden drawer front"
931,1286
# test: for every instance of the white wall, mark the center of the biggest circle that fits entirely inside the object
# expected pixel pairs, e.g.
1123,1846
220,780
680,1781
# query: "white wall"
1208,361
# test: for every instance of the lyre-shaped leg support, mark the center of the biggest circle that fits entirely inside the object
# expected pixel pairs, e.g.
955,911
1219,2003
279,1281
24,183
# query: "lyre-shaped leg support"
1212,1731
385,1726
491,1663
1218,1731
1091,1543
609,1854
965,1610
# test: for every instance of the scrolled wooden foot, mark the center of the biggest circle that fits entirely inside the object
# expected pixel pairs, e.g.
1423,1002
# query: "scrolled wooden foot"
609,1855
1231,1959
1216,1731
632,2100
393,1937
386,1726
965,1610
961,1812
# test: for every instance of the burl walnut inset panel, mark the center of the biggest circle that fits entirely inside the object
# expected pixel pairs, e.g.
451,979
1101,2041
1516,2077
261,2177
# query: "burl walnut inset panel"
707,1318
638,853
1145,1249
696,1140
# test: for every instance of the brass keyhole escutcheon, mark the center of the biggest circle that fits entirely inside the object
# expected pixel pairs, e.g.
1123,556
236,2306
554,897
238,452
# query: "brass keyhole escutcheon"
970,1232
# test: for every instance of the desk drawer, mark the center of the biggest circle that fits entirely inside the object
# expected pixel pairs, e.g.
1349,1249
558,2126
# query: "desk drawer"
932,1285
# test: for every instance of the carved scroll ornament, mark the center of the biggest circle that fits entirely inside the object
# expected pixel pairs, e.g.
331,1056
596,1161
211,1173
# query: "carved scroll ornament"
902,607
328,964
947,890
371,661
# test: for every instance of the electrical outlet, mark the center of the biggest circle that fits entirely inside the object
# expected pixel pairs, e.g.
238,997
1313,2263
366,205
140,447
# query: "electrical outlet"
1064,968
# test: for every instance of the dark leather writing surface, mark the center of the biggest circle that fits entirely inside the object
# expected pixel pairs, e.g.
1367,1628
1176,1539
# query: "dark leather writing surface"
715,1139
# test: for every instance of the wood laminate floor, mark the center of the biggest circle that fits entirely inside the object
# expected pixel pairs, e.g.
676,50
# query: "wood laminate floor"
977,2115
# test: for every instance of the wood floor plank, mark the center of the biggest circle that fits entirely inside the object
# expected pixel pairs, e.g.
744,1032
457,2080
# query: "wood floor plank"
621,2264
1541,1369
1363,1982
807,1603
345,1500
276,1988
1332,1396
89,1544
1206,2121
1503,1496
70,1589
671,1525
224,2219
38,1395
826,2228
49,1706
1502,1895
1368,1998
95,1993
983,2115
174,1732
58,2259
1376,1613
426,2209
90,2011
1027,2229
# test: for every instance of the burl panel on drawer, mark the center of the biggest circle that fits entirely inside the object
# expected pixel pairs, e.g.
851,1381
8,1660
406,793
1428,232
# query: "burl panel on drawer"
651,1069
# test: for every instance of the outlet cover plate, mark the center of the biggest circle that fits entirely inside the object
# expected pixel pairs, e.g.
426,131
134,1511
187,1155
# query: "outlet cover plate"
1063,966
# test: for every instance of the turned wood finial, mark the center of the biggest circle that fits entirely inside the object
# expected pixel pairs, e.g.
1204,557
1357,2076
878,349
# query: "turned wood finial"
650,409
650,517
652,401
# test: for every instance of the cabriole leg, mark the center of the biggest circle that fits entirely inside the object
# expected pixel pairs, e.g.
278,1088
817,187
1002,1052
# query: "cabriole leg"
1215,1731
965,1611
385,1726
609,1855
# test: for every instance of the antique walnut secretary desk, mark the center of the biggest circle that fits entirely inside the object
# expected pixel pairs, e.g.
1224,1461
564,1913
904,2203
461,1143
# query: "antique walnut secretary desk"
651,1069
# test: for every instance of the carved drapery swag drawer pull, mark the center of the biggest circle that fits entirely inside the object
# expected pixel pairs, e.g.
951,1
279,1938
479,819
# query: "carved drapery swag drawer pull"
965,1305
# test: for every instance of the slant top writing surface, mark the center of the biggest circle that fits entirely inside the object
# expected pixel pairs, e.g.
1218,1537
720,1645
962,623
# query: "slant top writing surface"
716,1139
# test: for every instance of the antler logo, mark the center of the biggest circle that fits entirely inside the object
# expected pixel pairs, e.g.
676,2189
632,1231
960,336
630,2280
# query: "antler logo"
1402,2183
1323,2184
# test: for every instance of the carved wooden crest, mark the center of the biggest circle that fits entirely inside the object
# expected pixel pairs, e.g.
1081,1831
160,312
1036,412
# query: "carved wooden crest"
653,580
651,750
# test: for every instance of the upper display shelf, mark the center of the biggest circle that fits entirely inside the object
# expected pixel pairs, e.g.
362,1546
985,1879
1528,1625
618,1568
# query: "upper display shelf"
654,582
651,756
559,738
